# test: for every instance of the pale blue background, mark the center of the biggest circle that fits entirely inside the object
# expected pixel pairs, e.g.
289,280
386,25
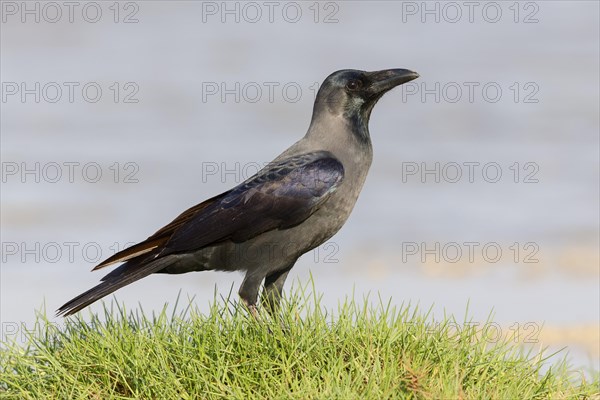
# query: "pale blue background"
171,134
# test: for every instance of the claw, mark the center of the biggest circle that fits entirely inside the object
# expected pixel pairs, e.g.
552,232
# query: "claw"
252,309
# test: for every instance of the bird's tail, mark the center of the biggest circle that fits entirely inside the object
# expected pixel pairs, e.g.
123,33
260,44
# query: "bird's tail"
127,273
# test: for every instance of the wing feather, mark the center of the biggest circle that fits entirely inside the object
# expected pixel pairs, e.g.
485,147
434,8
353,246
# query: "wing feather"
280,196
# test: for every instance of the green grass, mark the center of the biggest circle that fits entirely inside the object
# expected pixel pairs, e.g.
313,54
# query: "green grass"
359,352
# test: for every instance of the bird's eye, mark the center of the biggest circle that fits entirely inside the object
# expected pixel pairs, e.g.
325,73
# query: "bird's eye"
354,84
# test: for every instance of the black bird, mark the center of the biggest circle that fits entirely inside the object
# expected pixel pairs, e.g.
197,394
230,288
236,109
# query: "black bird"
294,204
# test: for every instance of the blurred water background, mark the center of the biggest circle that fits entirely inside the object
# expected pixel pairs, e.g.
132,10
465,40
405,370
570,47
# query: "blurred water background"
171,129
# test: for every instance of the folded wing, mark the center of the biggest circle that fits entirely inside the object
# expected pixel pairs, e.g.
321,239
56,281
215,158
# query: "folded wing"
280,196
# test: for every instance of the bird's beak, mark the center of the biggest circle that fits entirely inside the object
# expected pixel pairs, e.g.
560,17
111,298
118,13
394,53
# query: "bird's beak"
382,81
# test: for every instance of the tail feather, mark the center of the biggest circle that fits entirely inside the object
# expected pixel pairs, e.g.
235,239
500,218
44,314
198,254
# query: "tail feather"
127,273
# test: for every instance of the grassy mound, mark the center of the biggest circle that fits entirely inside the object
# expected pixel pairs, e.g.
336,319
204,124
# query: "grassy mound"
358,352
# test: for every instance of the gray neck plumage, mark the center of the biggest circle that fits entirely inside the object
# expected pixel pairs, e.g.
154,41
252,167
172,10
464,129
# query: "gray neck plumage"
329,118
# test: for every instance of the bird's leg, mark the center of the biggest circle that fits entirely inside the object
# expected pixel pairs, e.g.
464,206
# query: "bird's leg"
249,292
271,297
252,309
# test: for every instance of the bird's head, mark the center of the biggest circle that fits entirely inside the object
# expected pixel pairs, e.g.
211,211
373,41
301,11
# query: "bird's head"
352,94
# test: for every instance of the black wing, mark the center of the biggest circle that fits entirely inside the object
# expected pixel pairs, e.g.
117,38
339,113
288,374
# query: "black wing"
280,196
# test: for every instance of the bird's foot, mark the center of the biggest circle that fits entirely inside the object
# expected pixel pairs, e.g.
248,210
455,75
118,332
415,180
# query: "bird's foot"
252,309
